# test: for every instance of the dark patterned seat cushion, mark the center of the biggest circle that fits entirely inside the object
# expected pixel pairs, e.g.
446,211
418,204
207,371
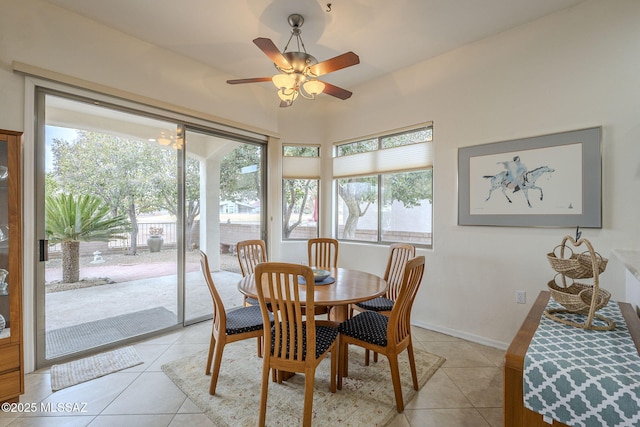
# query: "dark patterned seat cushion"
244,319
367,326
377,304
325,336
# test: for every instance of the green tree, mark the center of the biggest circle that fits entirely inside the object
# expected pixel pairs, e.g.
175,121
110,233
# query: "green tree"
357,194
296,198
240,174
297,192
165,189
116,169
410,188
71,219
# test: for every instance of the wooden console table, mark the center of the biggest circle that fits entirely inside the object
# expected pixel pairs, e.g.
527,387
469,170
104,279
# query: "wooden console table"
514,412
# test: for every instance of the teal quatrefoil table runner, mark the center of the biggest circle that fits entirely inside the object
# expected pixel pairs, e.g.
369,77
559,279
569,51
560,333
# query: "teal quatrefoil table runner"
582,377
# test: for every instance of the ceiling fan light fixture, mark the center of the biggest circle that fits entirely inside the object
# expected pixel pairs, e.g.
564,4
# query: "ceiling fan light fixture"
288,95
313,87
283,81
163,139
297,70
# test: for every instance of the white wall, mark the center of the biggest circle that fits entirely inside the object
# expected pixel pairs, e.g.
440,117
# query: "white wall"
574,69
45,36
570,70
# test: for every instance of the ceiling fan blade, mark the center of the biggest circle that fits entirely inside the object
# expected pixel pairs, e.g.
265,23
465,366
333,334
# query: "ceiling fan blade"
336,91
253,80
270,49
337,63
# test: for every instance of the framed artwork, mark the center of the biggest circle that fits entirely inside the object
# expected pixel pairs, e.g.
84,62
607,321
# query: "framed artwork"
544,181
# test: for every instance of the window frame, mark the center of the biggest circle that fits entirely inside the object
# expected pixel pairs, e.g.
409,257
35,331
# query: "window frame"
380,180
298,176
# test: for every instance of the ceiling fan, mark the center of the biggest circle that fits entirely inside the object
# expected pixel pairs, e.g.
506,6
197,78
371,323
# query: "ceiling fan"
298,71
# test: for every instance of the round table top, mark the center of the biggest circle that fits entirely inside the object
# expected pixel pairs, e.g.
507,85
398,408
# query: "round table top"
351,286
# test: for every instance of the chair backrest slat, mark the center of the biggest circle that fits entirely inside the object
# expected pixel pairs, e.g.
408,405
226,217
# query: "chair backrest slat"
400,254
250,254
219,313
323,252
277,284
399,326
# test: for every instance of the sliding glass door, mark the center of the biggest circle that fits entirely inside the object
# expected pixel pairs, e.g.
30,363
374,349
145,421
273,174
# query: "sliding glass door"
125,201
227,175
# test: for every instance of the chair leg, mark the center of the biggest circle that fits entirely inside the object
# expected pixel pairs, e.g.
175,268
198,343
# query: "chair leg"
217,360
264,391
259,340
366,357
335,359
412,364
343,362
212,344
375,357
309,380
395,379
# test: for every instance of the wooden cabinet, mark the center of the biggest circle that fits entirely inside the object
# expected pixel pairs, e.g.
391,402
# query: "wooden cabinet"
11,347
514,412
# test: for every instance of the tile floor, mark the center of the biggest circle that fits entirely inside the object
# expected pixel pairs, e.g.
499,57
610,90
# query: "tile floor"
465,391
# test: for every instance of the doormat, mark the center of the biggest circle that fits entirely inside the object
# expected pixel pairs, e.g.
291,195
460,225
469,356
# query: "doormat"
89,368
92,334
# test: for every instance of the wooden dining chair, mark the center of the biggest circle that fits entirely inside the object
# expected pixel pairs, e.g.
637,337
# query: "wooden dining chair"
237,324
323,252
250,253
295,343
387,335
399,254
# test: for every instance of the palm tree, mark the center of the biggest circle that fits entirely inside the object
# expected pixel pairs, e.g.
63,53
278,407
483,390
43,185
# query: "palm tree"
71,219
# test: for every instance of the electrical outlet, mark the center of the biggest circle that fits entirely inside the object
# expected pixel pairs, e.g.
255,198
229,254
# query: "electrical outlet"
521,297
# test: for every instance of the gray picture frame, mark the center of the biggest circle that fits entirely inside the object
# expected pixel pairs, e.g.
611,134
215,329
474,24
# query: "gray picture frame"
572,186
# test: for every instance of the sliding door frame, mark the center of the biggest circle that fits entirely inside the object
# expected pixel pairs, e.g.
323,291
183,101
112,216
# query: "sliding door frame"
36,294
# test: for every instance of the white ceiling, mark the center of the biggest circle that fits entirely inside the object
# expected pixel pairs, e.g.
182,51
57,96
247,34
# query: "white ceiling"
386,34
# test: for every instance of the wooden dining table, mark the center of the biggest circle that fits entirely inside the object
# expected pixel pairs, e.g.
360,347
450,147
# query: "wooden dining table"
350,287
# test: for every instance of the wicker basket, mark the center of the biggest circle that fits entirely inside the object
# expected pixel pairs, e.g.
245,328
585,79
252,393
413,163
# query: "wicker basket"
577,297
577,266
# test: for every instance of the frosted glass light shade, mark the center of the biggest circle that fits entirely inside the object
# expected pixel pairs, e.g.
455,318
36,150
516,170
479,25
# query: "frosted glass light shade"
283,81
313,87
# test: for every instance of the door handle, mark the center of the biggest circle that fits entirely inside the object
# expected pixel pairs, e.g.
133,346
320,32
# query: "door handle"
44,250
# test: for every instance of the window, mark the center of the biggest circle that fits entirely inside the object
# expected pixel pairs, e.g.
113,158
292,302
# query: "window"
384,188
301,172
300,151
358,208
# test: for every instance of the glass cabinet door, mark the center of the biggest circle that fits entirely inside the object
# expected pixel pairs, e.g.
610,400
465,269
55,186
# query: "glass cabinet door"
10,240
5,317
11,363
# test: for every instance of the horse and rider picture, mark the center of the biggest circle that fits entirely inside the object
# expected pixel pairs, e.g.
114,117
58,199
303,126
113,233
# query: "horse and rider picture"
552,180
538,181
516,178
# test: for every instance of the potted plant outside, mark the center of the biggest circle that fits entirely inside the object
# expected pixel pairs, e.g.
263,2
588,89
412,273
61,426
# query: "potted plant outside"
155,240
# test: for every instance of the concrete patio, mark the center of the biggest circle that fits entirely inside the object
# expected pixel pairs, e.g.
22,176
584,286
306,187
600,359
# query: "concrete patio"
74,307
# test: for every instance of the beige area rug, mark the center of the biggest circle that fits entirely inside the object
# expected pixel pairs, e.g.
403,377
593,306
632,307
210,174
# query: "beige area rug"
89,368
366,398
